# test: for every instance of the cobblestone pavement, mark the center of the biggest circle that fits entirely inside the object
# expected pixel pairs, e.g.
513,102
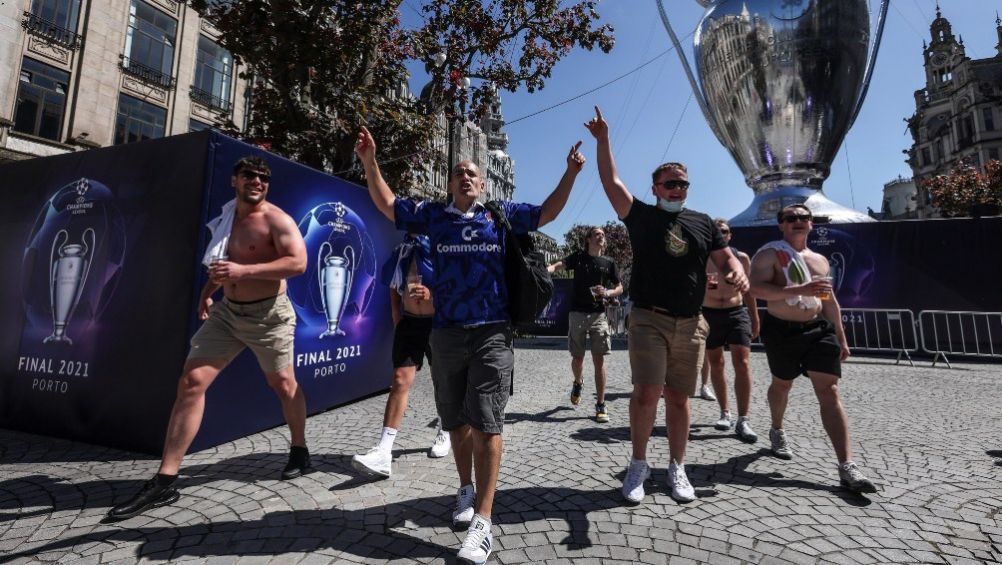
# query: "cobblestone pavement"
922,433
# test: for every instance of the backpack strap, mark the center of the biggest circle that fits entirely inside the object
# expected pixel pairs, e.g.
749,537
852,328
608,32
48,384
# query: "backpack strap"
500,219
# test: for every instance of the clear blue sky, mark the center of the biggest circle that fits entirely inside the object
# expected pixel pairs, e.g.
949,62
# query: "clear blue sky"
644,108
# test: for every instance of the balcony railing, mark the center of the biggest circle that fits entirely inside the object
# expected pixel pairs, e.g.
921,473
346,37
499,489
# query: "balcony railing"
146,74
51,31
210,100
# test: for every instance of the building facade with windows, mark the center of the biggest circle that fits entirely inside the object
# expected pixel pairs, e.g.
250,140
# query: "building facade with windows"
77,74
958,115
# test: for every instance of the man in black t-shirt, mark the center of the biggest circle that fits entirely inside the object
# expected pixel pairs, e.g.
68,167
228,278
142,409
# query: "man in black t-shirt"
667,333
596,280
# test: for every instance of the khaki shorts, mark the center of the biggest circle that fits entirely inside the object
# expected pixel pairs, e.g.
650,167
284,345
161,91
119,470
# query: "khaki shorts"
268,327
582,325
665,350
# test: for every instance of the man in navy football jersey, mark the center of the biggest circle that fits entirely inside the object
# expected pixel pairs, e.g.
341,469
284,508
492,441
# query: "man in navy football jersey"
471,338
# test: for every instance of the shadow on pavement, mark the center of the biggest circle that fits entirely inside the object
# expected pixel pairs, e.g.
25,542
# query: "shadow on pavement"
379,532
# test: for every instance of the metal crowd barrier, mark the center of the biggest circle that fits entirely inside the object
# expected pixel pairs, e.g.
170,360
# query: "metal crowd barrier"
874,329
975,334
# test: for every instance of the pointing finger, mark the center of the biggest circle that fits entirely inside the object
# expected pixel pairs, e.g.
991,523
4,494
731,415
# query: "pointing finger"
598,113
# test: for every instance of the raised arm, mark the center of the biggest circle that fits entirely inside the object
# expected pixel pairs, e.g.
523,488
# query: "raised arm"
730,267
555,202
380,192
554,267
615,190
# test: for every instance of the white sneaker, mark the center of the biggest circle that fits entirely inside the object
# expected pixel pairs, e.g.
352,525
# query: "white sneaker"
442,445
706,393
681,488
476,547
375,462
465,499
633,483
725,422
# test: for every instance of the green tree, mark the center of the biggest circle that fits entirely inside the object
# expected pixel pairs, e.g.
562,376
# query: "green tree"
617,246
322,68
966,188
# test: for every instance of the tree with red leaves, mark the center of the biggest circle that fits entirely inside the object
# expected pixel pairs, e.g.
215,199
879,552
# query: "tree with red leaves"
966,190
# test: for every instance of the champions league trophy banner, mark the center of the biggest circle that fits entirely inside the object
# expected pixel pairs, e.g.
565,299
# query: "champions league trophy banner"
69,272
780,84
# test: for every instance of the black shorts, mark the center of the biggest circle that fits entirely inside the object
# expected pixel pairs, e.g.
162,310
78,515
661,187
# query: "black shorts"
793,348
410,341
728,326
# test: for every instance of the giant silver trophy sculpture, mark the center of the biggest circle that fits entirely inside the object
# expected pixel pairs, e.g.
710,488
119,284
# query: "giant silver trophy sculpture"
780,83
67,278
334,274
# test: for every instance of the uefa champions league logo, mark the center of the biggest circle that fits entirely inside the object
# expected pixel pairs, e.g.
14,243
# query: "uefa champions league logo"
338,284
83,185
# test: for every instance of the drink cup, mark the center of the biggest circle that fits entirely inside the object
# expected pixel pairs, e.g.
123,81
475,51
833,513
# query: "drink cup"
711,281
413,281
598,292
825,294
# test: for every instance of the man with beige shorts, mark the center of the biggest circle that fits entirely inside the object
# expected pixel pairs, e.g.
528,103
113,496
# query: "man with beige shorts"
596,280
671,245
264,248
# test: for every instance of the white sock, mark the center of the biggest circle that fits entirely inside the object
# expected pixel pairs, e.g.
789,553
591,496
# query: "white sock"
386,440
742,419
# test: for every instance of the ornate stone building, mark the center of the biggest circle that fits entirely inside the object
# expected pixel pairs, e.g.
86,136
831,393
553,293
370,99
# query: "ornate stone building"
958,115
76,74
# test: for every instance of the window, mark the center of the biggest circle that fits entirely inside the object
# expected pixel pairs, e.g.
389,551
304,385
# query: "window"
196,125
149,44
138,120
55,20
41,99
986,114
213,75
926,156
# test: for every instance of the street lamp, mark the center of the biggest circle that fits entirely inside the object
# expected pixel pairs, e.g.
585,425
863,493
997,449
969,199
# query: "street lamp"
435,102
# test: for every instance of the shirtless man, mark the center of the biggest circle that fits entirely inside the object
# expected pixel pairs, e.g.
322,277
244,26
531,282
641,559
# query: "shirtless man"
265,248
408,272
733,319
803,335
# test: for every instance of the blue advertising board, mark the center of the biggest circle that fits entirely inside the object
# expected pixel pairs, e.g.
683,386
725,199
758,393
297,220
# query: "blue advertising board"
103,252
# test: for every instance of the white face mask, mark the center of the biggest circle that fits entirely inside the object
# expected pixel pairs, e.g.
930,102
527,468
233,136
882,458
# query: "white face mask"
671,206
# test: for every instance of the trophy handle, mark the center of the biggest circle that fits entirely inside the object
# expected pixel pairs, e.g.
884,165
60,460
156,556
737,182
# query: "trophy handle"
696,90
88,260
871,60
349,254
52,265
320,271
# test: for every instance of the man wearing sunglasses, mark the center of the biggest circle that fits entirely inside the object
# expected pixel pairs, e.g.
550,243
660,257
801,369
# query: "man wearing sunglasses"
733,319
803,335
471,336
671,245
264,248
596,280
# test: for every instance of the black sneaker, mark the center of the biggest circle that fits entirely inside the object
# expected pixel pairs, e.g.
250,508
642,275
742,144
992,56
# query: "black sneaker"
576,394
299,463
152,495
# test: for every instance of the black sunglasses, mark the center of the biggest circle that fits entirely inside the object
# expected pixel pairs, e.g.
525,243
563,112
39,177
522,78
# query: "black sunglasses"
725,232
251,175
670,184
790,218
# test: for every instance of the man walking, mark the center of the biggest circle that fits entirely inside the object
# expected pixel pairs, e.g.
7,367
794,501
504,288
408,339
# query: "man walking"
407,272
733,319
803,335
264,247
596,280
471,337
671,245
